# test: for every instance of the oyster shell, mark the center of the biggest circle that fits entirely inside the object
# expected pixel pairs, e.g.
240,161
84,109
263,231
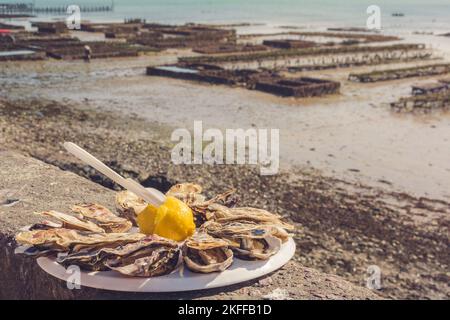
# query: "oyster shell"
129,205
247,240
62,239
185,188
227,199
205,254
189,193
45,225
154,256
102,217
223,214
71,222
90,259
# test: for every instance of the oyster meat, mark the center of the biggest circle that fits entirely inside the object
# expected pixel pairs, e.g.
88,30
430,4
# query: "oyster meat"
205,254
247,240
153,256
71,222
102,217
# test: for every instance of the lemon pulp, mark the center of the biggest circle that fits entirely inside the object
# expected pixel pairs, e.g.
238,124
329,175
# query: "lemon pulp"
173,220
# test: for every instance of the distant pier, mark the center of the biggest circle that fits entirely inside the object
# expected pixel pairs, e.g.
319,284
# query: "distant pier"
30,8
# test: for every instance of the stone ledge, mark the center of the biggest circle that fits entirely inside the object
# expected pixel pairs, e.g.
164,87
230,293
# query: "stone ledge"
29,185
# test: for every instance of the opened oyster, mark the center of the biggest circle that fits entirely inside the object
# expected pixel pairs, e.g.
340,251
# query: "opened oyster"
247,240
102,217
224,214
45,225
70,222
87,258
203,209
154,256
189,193
129,205
203,253
62,239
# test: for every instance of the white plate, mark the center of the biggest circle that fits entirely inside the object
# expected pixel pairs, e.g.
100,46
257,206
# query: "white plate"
180,280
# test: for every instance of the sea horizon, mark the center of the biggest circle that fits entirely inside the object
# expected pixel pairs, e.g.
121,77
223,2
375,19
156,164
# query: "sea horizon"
418,16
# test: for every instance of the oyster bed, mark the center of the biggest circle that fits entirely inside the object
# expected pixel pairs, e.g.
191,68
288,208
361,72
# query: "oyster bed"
95,239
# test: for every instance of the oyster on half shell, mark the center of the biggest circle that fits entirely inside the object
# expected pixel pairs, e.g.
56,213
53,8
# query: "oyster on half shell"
224,214
61,239
129,205
189,193
44,225
90,258
227,199
70,222
247,240
205,254
102,217
153,256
